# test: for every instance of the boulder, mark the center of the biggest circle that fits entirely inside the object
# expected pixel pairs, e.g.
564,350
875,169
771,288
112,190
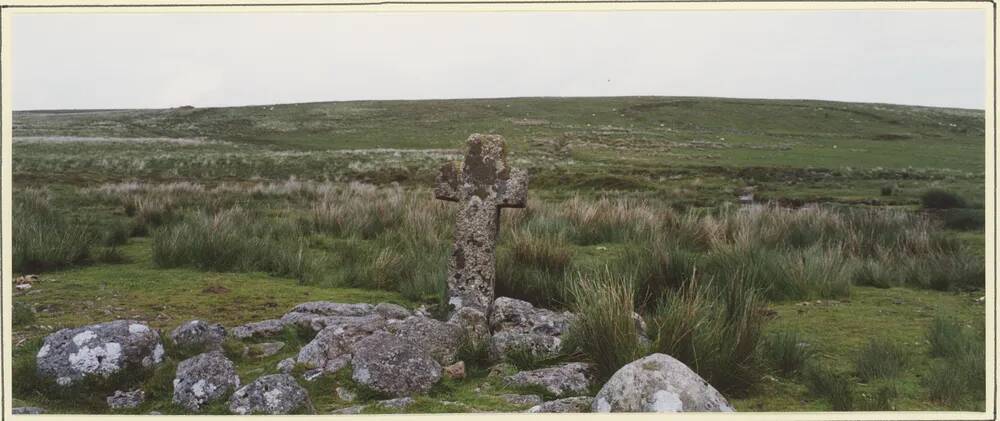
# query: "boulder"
126,400
199,335
574,404
327,308
440,339
262,329
204,378
473,322
102,349
286,365
501,343
394,365
658,383
331,348
392,311
514,315
570,379
516,324
455,371
275,394
350,410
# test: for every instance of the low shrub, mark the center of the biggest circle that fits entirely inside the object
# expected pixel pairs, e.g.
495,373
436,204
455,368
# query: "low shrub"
963,219
887,189
880,358
941,199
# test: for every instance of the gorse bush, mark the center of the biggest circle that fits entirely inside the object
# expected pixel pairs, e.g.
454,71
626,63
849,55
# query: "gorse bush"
605,328
880,358
713,328
941,199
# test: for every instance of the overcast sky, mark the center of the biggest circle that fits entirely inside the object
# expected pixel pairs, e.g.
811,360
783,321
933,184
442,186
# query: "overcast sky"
166,60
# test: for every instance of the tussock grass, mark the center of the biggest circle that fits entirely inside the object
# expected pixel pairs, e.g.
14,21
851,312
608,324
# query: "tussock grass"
231,240
45,239
533,267
880,359
835,387
715,331
604,329
959,371
787,351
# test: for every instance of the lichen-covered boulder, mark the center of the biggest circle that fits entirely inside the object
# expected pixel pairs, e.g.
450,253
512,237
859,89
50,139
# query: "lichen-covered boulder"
517,325
502,343
125,400
276,394
198,334
570,379
394,365
331,349
658,383
204,378
102,349
475,326
515,315
327,308
261,329
286,365
440,339
574,404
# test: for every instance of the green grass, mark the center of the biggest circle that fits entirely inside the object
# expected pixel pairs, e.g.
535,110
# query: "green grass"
335,205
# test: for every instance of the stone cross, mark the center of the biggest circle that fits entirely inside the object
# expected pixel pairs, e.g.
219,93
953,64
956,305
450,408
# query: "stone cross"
482,184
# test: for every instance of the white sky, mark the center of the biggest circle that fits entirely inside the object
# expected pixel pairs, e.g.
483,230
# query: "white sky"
165,60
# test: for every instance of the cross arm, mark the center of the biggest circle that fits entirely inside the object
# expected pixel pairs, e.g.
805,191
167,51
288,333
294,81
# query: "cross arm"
448,182
514,193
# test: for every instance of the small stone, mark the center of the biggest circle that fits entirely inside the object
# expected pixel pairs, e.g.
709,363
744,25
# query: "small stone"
155,413
345,394
455,371
123,400
286,365
265,349
313,374
398,403
350,410
524,400
27,410
574,404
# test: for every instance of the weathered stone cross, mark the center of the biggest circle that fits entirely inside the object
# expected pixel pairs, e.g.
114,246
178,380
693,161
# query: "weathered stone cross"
483,184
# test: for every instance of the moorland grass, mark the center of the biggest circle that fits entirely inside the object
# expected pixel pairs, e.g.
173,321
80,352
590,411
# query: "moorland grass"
605,329
879,359
787,351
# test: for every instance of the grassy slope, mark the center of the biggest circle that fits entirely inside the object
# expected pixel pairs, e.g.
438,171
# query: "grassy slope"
692,149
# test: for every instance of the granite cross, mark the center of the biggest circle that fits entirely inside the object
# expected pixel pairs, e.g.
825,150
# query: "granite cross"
482,184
